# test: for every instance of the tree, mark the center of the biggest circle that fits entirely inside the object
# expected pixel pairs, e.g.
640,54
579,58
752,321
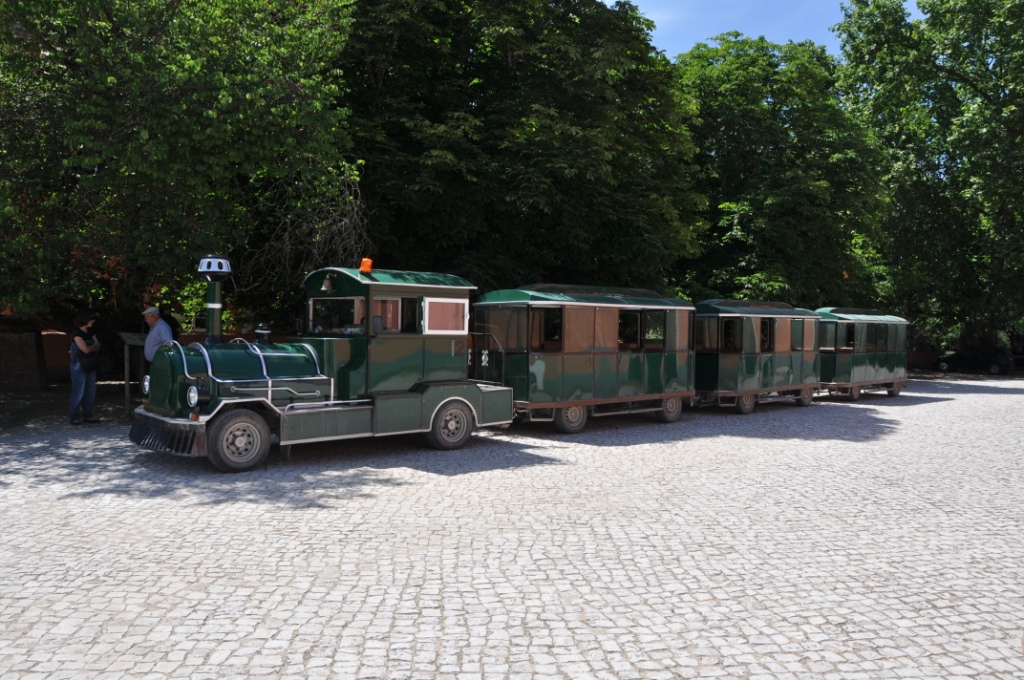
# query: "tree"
943,92
514,142
140,134
791,178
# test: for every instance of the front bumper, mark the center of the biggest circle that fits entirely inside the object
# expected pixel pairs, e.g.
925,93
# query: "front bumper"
169,435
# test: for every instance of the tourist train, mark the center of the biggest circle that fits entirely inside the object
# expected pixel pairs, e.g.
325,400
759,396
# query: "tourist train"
385,352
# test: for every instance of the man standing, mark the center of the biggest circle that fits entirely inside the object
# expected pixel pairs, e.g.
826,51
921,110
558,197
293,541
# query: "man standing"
159,332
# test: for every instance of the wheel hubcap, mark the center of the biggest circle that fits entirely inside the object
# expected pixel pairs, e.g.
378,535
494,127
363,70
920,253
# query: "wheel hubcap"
241,442
452,425
574,415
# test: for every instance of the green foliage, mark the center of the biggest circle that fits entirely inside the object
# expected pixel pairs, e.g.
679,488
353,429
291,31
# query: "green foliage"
140,134
943,93
791,178
513,142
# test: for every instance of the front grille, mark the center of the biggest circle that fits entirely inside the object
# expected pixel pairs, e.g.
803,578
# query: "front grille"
156,435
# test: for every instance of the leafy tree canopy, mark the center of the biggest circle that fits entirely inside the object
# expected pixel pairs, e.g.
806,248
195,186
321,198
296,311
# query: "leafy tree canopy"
944,94
139,134
513,142
791,178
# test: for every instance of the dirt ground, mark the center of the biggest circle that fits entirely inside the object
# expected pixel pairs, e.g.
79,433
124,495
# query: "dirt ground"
49,407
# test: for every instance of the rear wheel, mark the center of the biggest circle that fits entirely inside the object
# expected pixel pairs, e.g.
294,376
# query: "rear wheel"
452,426
943,366
671,410
854,394
745,403
894,391
238,441
571,419
995,369
806,397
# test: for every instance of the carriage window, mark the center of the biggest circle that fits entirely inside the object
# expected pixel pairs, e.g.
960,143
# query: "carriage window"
654,331
767,335
629,331
881,338
546,329
678,327
507,324
606,329
901,338
579,329
869,337
798,335
705,335
847,335
828,335
389,313
337,315
444,316
732,338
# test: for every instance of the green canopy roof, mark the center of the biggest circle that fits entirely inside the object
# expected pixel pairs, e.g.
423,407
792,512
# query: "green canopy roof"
351,281
851,314
549,294
721,307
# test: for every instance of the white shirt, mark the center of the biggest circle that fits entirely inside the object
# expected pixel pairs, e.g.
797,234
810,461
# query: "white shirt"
159,333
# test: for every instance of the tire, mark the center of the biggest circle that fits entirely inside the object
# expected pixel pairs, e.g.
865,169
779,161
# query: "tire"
571,419
943,366
806,397
671,410
238,441
452,426
894,390
995,369
745,403
854,394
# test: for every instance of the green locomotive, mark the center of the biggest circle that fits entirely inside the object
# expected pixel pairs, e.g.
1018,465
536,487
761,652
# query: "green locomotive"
385,352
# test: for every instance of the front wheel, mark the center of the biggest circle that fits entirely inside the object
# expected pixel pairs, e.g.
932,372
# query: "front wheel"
671,410
238,441
943,366
894,391
571,419
806,397
745,403
452,427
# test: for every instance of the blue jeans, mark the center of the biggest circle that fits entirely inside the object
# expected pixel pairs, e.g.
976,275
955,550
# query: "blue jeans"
83,390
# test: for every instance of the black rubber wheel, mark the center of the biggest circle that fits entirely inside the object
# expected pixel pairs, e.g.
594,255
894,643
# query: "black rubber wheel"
238,441
571,419
894,390
854,394
806,397
943,366
671,410
995,369
452,426
745,403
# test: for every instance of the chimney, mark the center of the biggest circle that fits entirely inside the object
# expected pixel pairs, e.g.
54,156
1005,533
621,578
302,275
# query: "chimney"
214,268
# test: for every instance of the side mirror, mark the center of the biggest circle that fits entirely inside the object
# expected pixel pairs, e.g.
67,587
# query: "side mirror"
377,324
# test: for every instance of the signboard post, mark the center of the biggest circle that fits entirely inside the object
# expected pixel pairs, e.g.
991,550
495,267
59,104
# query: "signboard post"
131,340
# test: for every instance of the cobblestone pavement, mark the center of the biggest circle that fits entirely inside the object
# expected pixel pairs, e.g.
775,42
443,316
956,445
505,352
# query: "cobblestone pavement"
882,539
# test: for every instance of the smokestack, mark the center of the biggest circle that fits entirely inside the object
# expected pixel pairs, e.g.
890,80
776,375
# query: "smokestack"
214,268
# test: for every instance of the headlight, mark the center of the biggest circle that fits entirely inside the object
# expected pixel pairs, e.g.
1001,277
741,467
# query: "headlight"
192,396
145,384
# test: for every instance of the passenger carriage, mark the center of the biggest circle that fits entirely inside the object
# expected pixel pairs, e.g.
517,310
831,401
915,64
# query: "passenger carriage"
747,351
862,349
573,352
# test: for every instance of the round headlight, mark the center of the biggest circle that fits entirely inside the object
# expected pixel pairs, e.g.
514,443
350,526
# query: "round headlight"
192,397
145,385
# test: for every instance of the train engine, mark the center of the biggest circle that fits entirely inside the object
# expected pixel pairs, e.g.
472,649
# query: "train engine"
382,352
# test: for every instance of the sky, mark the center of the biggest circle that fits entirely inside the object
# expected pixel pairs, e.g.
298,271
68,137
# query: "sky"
681,24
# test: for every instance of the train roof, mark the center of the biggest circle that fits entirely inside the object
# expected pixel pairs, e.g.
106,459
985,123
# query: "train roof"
342,280
722,307
550,294
852,314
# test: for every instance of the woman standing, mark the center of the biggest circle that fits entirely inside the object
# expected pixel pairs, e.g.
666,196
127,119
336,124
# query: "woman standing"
84,346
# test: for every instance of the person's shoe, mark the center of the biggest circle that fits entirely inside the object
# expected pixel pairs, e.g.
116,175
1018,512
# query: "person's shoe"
76,421
90,419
